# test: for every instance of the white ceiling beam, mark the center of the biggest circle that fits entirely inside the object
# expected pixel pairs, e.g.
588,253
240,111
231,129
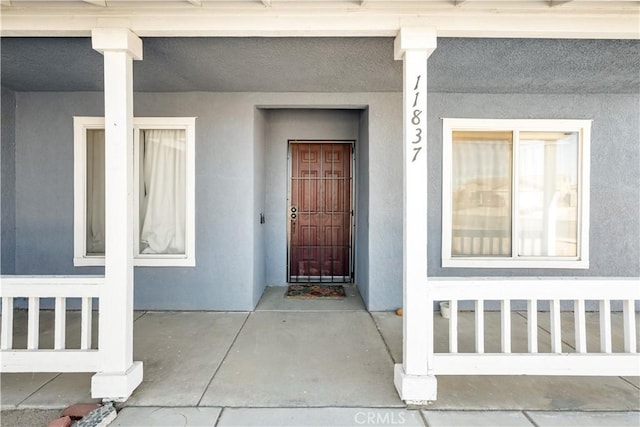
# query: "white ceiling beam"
315,19
5,2
553,3
266,3
102,3
458,2
211,23
195,2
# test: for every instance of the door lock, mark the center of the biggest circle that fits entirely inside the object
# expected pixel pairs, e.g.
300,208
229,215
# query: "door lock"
294,216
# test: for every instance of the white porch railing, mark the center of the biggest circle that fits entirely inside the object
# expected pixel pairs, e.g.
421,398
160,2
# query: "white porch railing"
582,360
60,358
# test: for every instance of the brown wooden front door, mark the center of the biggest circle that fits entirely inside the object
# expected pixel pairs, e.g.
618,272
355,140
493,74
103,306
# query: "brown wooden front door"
320,211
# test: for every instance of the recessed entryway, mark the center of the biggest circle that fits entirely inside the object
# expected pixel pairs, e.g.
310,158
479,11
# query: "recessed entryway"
323,242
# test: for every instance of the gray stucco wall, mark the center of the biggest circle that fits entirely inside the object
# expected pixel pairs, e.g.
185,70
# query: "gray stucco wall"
227,275
259,185
225,206
385,205
362,208
44,180
228,186
8,181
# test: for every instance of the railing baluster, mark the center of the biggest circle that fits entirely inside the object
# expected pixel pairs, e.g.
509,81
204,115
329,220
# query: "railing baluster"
479,326
505,309
556,332
580,325
60,324
532,325
629,315
453,326
33,323
85,328
605,326
6,343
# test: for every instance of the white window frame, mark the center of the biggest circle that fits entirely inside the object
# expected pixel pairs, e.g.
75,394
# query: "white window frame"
80,126
582,127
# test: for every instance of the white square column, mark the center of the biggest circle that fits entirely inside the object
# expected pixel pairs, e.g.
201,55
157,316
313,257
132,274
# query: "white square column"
414,378
119,375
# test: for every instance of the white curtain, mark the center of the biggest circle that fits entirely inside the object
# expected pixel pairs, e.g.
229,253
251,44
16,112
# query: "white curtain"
163,191
95,191
481,194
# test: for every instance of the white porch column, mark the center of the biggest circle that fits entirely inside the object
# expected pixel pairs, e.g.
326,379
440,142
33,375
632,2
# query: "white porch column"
414,378
119,375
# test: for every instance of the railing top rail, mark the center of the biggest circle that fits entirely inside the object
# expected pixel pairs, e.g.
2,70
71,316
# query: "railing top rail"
51,286
532,278
541,288
28,277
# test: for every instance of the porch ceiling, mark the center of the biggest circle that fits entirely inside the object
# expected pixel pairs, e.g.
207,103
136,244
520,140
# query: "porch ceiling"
355,64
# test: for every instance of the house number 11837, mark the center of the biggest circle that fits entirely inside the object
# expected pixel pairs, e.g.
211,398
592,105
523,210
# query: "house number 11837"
415,121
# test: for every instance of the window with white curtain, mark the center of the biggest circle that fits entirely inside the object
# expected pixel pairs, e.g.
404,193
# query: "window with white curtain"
163,191
515,193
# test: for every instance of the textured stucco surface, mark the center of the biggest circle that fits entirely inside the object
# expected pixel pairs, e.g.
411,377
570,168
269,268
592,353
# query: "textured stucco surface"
236,256
229,272
8,181
225,206
236,178
241,147
44,180
259,188
362,208
348,64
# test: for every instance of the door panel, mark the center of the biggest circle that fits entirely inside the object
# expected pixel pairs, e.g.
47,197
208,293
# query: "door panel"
320,212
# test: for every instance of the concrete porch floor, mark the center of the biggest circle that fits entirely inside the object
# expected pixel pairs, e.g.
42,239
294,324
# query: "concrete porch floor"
317,363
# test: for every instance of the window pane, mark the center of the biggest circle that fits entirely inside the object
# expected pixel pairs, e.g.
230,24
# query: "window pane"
481,193
163,191
548,194
95,192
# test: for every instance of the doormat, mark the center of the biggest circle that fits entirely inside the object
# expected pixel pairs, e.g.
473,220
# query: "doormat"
316,291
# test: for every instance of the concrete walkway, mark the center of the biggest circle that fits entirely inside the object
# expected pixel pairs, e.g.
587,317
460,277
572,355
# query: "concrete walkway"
314,363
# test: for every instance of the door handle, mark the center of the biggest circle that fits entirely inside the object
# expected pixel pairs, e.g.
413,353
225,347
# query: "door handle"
294,217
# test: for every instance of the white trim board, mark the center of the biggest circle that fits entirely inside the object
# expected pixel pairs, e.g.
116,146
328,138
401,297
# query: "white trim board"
328,19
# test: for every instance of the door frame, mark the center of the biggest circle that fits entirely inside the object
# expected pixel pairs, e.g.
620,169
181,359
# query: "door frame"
352,198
